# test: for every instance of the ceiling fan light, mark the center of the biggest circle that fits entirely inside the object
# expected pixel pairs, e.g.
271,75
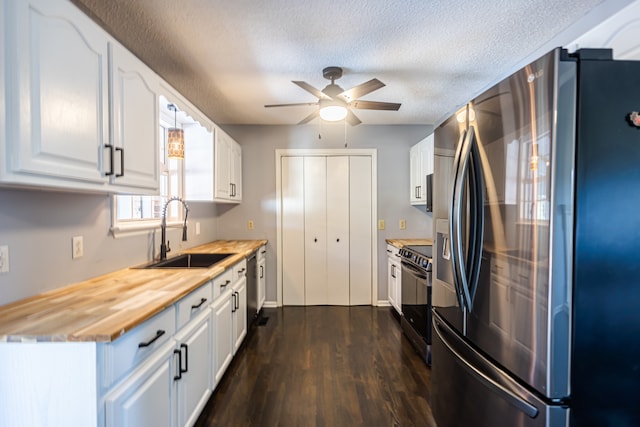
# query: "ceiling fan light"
333,113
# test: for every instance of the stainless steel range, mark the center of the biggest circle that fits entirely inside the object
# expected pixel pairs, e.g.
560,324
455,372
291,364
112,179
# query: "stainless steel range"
416,297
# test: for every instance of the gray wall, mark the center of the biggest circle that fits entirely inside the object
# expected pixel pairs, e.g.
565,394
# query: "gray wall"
259,183
38,225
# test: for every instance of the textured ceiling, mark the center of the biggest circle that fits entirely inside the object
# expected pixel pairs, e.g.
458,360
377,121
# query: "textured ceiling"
231,57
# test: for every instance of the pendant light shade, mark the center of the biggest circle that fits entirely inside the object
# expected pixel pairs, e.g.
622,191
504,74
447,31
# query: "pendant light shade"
175,140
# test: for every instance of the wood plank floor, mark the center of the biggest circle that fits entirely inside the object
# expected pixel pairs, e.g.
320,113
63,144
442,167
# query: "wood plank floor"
324,366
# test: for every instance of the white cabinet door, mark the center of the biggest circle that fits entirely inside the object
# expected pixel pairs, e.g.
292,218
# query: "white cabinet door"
57,117
222,334
337,231
360,218
315,230
135,122
239,301
262,280
391,281
236,171
427,156
145,399
222,165
194,381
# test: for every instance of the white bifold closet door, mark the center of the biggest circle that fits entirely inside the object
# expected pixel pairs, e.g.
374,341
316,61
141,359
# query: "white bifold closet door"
326,230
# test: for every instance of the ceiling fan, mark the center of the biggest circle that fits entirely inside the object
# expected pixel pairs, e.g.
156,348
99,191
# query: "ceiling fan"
335,103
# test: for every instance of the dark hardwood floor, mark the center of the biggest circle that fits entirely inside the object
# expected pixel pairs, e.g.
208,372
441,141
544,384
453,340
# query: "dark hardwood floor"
324,366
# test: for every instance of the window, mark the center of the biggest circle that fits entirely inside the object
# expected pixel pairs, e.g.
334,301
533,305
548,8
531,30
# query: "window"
136,212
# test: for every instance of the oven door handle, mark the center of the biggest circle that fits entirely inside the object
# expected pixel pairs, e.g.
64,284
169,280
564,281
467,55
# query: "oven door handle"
413,270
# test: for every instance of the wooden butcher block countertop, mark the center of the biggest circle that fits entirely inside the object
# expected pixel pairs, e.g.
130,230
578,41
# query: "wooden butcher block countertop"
105,307
399,243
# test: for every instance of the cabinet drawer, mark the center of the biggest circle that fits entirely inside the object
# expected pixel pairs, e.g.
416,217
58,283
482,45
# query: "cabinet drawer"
262,253
128,351
239,270
392,251
222,283
194,303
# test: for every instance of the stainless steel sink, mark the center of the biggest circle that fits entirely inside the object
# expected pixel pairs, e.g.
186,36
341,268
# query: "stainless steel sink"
196,260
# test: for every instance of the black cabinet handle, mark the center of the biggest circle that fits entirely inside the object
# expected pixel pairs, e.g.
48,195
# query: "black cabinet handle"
315,239
261,272
110,147
159,333
202,301
121,150
264,252
186,358
178,376
225,284
338,240
233,303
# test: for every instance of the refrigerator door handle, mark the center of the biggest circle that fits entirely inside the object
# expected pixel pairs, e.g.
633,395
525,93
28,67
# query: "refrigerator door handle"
506,394
458,260
476,234
453,215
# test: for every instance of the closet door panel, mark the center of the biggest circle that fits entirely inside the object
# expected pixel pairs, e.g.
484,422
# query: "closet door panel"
293,267
338,230
315,230
360,230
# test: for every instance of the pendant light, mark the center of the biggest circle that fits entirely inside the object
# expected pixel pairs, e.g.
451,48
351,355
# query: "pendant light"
175,144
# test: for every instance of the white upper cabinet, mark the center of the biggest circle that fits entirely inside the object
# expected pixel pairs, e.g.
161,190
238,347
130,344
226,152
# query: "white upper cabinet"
58,128
135,121
213,165
228,168
420,165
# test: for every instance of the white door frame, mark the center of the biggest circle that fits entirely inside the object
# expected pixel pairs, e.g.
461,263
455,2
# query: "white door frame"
374,209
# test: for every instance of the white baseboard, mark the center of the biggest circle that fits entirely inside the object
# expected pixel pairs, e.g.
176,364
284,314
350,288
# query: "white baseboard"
270,304
384,303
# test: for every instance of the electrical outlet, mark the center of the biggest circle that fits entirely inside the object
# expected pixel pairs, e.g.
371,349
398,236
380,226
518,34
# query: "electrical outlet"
4,259
403,224
197,228
381,224
250,225
77,247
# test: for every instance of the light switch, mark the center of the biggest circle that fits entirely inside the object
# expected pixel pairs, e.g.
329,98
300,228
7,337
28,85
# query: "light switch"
250,225
381,224
403,224
4,259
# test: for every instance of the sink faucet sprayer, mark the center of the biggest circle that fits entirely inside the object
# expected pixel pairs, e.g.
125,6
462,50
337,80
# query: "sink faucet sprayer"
164,247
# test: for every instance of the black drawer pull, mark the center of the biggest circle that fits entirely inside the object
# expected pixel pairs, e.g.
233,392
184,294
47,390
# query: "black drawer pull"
202,301
159,333
224,285
110,147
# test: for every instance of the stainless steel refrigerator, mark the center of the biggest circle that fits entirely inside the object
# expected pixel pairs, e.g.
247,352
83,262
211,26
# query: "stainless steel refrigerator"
536,318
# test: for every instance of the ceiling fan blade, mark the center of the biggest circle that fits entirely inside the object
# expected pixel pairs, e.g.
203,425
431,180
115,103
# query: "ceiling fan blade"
352,119
312,90
299,104
361,90
374,105
310,117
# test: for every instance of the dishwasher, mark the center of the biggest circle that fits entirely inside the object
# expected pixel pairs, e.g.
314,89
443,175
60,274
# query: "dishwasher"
252,290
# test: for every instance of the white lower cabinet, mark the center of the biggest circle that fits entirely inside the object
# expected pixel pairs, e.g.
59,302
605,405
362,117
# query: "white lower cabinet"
261,274
222,335
193,371
394,278
159,374
239,313
146,398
